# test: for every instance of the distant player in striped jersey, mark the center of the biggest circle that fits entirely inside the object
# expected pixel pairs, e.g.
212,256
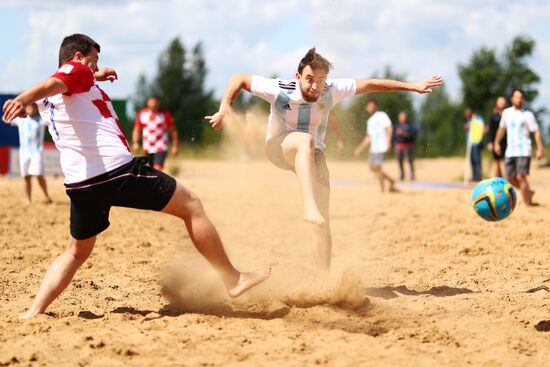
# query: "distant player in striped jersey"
517,123
31,146
297,126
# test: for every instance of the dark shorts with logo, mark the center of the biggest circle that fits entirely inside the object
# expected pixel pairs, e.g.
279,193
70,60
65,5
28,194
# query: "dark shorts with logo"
517,166
133,185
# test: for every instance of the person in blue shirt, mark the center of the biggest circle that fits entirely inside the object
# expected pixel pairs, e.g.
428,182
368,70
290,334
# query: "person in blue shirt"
405,134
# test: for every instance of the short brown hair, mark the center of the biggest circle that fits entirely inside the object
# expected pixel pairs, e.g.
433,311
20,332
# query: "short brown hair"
315,61
74,43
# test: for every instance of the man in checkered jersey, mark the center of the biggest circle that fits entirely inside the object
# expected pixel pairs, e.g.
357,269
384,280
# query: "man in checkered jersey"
100,171
155,124
297,126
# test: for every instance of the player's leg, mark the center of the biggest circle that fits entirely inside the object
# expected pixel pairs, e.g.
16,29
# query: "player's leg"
511,171
322,239
390,180
526,192
377,170
187,206
158,160
60,274
400,154
410,158
28,188
298,151
44,187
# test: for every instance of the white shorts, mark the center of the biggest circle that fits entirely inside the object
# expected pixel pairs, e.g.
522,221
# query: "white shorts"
31,164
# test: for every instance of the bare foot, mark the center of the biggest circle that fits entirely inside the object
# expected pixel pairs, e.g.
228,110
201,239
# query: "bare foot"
247,281
27,315
316,218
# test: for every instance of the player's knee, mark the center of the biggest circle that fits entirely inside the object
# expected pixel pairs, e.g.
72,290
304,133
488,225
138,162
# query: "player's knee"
193,204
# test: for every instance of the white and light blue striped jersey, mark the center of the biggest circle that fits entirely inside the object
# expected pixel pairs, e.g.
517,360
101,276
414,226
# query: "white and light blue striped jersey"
290,112
31,134
518,125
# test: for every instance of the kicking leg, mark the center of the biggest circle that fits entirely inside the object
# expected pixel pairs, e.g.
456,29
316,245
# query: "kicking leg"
187,206
298,152
377,170
60,274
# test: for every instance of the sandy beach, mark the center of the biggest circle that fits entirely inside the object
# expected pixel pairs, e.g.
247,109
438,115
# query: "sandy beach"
417,280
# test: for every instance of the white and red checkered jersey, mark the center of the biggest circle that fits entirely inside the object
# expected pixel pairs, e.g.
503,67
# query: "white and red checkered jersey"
155,126
84,126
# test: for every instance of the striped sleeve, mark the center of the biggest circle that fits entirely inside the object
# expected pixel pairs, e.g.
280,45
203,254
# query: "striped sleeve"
341,88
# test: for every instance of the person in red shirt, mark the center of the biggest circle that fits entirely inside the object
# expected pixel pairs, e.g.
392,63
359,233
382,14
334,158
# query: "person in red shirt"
155,124
101,172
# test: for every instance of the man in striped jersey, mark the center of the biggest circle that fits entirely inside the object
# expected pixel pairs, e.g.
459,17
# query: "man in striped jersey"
31,145
101,172
297,126
517,123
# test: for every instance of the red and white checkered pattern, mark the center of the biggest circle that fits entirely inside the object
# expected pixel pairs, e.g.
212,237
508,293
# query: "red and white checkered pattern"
154,126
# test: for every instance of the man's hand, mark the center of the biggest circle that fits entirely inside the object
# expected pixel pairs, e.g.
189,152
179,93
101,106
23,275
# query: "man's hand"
340,146
427,85
357,152
106,74
216,120
540,153
497,149
13,108
174,150
490,147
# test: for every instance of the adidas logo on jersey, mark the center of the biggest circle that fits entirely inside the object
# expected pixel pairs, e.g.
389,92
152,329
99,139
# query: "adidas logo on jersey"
287,107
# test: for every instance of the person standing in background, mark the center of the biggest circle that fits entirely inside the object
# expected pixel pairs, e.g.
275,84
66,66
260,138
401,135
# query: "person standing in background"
494,121
155,124
405,134
475,128
31,147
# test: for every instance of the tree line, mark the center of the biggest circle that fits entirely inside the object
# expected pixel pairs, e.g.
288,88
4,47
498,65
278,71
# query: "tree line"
180,84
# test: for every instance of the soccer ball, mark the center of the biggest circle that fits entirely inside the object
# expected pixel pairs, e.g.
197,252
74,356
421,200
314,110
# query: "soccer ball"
494,199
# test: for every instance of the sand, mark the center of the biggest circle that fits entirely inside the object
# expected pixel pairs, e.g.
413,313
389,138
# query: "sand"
418,279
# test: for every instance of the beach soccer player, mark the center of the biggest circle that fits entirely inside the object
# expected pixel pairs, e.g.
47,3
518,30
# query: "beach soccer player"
517,123
378,137
153,124
297,125
100,172
31,150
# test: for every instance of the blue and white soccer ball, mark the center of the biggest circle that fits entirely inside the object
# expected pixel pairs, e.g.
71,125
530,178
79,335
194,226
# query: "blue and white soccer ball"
494,199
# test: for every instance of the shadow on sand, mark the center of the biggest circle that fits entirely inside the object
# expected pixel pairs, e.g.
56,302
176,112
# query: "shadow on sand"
392,292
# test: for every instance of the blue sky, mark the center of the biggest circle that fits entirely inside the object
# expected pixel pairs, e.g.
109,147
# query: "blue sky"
417,38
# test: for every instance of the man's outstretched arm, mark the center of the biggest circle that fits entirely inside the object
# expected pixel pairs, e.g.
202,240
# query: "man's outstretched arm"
16,107
235,85
387,85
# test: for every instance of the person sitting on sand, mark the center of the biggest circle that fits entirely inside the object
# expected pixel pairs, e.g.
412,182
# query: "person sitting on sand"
101,172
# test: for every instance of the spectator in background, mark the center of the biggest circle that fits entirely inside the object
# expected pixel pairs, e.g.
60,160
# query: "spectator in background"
475,128
155,124
31,146
405,134
494,121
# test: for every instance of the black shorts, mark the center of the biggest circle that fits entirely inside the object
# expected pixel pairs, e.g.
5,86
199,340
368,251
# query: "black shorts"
516,166
157,158
133,185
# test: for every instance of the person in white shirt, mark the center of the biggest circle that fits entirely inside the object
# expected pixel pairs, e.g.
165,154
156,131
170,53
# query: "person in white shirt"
517,123
379,136
297,125
100,172
31,146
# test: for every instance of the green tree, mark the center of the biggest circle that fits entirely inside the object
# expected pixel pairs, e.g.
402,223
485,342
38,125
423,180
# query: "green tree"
487,76
441,131
180,85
